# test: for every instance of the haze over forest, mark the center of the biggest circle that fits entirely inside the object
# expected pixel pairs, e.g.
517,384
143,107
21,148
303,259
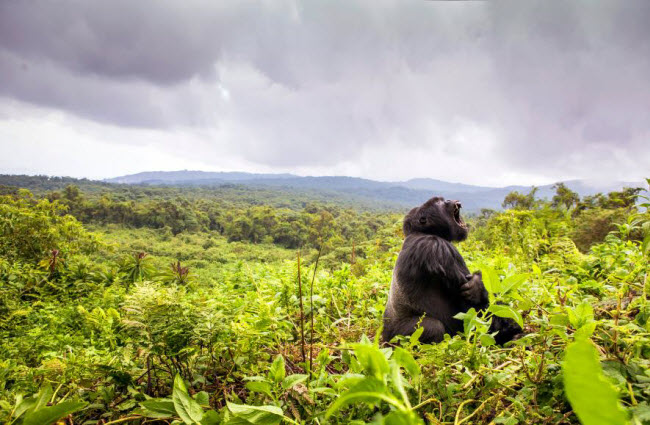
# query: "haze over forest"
396,193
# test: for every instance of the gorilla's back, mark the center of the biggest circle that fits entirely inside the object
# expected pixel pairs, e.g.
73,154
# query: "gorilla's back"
399,303
415,291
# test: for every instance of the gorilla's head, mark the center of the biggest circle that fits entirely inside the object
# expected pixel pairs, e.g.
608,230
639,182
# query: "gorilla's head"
437,217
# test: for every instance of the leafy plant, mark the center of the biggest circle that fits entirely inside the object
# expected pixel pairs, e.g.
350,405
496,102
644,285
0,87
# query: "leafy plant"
381,383
222,343
178,274
35,410
137,267
188,409
593,398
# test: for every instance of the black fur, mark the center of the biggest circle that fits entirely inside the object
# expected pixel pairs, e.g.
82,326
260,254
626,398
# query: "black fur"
431,282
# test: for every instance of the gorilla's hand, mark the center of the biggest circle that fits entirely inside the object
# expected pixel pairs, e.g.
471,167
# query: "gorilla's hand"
473,291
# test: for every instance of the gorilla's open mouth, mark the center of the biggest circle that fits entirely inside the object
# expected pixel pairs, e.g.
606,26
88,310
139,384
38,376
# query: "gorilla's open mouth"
457,218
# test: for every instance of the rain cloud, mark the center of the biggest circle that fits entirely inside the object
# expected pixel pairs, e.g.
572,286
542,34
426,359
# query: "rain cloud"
496,92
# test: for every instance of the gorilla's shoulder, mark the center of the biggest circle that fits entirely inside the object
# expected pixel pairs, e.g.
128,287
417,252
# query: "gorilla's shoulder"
426,244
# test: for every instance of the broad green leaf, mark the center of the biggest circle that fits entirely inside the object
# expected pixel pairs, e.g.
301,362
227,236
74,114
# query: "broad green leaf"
645,245
468,319
276,371
348,380
369,390
126,405
292,380
323,358
368,397
19,400
513,282
585,311
324,390
23,405
581,315
210,418
366,384
42,398
51,414
415,337
491,280
506,420
189,410
592,396
397,381
559,319
254,415
494,285
158,408
202,398
406,360
371,359
507,312
585,331
487,340
259,387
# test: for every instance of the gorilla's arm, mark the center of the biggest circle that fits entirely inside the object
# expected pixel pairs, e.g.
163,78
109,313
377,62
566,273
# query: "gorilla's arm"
476,295
474,292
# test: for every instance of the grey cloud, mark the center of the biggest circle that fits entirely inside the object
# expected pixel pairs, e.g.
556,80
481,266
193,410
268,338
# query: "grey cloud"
162,42
578,80
559,84
129,103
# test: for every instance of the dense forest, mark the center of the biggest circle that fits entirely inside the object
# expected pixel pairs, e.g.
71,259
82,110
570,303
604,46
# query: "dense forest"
239,305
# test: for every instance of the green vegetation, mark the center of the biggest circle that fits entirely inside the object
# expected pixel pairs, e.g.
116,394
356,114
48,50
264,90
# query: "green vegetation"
123,304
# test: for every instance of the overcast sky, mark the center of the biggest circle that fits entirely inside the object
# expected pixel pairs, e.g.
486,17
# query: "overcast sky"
489,93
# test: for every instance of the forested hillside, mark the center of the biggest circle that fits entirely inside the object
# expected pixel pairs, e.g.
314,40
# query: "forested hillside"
243,305
286,189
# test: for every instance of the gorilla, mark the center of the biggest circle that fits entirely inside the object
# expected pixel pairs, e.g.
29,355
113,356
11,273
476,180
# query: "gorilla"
431,283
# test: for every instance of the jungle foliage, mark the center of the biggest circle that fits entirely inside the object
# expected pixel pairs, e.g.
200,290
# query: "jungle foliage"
238,215
195,310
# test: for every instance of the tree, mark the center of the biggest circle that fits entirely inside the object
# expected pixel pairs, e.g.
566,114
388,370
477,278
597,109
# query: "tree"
519,201
626,198
30,229
564,197
72,193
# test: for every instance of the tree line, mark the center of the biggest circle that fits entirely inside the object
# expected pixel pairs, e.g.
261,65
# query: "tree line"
312,226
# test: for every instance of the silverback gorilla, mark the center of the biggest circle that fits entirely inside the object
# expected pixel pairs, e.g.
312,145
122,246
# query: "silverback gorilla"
431,282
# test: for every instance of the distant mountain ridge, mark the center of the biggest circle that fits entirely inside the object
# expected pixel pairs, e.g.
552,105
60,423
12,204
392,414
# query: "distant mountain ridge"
401,193
181,176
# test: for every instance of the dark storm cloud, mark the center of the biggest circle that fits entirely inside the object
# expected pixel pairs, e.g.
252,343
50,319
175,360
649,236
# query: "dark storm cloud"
558,85
115,39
